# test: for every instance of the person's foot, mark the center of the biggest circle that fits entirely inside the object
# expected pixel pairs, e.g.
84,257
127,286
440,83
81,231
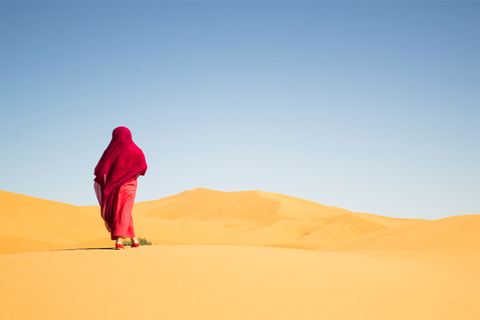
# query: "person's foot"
135,243
119,244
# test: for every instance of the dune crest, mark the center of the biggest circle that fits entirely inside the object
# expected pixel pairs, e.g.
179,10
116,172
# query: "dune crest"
198,216
256,218
245,218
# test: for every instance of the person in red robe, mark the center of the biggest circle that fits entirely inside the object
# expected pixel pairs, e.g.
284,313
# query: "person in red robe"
116,184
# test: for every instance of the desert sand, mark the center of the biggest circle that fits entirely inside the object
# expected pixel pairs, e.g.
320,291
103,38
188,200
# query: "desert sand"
235,255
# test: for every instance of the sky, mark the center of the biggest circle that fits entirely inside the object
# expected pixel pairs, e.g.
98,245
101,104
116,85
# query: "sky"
371,106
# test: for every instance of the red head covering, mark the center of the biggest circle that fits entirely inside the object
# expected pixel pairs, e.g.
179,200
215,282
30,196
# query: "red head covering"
120,163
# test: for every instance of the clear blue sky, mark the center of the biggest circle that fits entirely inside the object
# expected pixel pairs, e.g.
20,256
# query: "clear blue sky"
369,106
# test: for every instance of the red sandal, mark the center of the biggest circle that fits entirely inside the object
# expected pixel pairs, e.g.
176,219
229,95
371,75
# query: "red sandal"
119,246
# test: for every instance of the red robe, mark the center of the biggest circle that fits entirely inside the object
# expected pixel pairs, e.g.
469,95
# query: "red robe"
116,181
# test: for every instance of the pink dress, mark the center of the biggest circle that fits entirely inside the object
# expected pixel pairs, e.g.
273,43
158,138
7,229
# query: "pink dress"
116,182
123,225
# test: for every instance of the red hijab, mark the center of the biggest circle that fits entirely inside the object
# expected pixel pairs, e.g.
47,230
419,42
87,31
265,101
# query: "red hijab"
120,163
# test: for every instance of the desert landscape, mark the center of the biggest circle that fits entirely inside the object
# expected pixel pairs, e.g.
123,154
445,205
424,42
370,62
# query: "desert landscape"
370,106
235,255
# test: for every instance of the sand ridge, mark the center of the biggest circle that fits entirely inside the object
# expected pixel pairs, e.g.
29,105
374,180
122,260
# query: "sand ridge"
199,216
203,216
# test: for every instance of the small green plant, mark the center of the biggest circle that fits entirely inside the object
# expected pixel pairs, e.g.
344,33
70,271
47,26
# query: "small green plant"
142,241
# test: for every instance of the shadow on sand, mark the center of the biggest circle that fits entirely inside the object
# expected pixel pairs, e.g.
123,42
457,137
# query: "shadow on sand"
81,249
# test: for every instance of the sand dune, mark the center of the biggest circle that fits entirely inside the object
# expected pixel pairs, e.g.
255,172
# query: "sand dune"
452,232
26,221
203,216
235,255
199,216
255,218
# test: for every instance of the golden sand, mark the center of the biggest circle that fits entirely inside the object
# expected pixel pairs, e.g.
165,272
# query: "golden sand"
235,255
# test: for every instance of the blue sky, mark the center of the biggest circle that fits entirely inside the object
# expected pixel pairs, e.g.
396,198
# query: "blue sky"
370,106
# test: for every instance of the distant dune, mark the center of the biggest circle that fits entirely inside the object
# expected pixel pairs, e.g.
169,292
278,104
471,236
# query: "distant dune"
198,216
235,255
